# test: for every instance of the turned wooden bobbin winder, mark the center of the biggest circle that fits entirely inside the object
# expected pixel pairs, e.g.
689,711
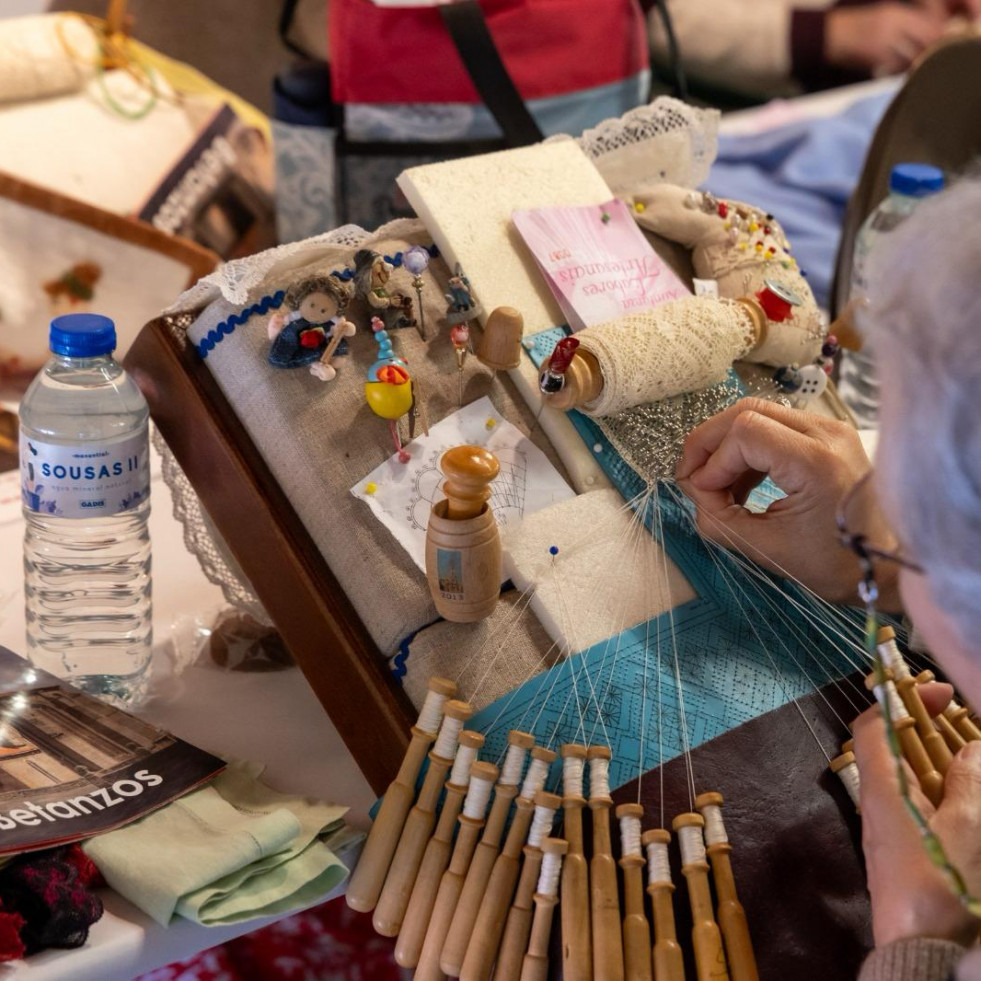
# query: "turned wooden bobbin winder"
463,544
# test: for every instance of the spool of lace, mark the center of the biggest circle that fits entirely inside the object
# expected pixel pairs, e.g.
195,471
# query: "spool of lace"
682,346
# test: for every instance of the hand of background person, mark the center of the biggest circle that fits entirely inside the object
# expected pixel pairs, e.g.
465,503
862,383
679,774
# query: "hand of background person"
815,462
970,9
882,38
910,896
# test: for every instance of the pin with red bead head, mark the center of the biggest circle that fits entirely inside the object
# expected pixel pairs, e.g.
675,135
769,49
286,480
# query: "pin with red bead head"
460,339
777,301
829,349
552,377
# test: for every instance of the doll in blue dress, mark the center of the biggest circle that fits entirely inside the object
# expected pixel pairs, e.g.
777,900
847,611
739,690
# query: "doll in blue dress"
315,330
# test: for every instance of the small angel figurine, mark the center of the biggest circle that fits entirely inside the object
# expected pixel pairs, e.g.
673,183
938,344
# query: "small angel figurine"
371,275
315,331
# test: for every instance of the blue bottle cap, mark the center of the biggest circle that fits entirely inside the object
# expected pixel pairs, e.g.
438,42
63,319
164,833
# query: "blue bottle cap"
82,335
916,180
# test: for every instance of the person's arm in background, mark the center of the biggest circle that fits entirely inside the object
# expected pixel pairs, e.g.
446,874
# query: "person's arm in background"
777,47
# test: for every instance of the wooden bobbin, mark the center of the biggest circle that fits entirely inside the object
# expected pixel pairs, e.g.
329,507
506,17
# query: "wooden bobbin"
730,912
434,864
667,958
465,915
710,958
637,963
463,542
933,742
500,343
845,767
930,779
848,746
394,898
517,929
451,884
955,741
478,964
956,714
535,964
577,947
368,877
604,895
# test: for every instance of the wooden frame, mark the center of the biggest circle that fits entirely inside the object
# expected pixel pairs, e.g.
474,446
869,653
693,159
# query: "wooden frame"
265,535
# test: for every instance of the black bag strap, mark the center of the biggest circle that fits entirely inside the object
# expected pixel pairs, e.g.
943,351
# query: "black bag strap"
465,22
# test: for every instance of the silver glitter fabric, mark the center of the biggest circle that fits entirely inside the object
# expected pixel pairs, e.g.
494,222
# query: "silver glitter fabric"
650,438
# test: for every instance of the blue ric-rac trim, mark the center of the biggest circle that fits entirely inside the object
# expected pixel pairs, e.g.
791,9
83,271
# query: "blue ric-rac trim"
227,327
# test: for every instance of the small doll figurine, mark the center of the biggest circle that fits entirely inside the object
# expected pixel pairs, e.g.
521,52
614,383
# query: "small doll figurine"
314,331
460,305
371,276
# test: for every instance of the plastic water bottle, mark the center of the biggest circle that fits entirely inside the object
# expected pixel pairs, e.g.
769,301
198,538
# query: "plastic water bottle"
85,482
909,183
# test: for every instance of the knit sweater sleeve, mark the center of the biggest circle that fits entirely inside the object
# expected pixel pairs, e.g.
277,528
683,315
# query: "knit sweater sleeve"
912,959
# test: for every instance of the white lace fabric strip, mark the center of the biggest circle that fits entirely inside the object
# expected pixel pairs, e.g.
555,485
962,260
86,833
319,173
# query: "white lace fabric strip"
681,346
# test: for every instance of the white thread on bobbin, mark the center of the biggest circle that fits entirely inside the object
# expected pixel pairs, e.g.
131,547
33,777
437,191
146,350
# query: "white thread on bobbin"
514,763
692,844
548,878
895,661
715,829
849,776
953,706
460,774
630,835
431,711
897,710
541,825
535,778
658,863
478,796
599,777
449,736
572,773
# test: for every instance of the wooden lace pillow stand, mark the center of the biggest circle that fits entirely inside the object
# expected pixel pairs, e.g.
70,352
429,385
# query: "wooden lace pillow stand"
265,535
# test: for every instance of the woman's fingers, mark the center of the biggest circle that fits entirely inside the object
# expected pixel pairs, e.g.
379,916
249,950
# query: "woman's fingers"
935,696
705,439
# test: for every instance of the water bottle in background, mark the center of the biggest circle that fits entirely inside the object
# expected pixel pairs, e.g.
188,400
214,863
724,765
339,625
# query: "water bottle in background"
85,479
909,183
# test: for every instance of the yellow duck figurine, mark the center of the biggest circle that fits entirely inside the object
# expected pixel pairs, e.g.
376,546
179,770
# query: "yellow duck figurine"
388,390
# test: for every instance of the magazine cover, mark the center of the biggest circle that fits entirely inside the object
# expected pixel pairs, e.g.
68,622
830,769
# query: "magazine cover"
72,767
220,193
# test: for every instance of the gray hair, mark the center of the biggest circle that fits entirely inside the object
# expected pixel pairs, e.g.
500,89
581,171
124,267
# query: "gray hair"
924,327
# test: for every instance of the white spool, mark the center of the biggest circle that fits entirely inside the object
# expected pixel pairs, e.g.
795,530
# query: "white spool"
431,711
849,776
535,778
715,829
514,764
893,659
658,863
887,690
599,777
548,878
478,796
541,825
692,845
572,774
460,774
448,738
630,835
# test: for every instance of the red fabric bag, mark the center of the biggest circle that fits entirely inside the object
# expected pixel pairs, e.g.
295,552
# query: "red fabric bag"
549,48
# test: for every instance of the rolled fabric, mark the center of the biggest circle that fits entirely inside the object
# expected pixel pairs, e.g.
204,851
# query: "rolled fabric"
45,55
679,347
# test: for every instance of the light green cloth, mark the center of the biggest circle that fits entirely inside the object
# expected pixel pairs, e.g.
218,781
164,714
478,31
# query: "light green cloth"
233,850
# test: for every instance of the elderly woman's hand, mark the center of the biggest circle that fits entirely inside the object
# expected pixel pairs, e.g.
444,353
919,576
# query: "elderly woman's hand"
815,462
910,896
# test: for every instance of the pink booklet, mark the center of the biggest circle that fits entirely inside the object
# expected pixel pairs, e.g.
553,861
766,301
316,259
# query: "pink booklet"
597,261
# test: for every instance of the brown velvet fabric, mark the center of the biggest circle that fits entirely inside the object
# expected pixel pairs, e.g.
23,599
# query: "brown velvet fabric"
796,839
